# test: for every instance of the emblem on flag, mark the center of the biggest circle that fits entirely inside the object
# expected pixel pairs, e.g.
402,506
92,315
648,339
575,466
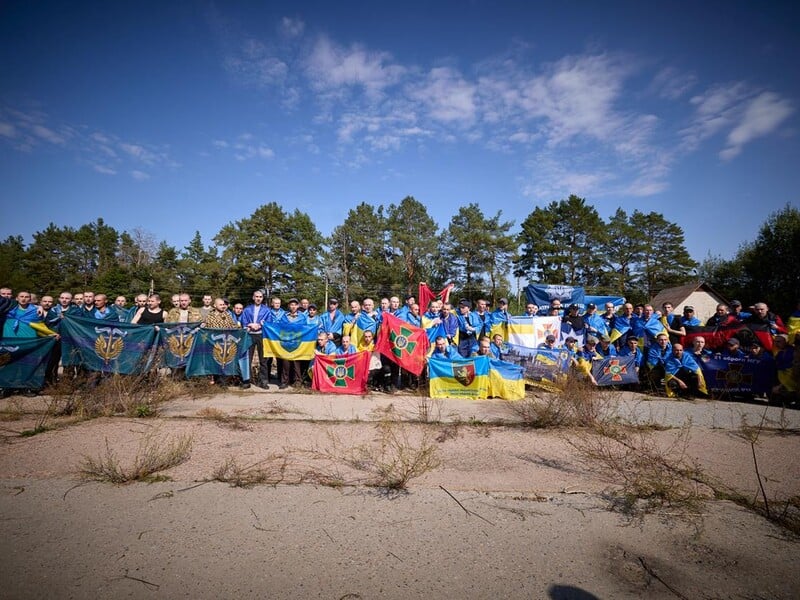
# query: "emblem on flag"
110,346
464,374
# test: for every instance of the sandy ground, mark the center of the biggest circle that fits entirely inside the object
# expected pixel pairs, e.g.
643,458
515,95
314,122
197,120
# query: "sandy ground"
510,512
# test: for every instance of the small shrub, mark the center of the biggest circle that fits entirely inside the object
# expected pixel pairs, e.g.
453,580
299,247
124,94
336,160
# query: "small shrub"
577,404
649,475
393,458
271,471
152,457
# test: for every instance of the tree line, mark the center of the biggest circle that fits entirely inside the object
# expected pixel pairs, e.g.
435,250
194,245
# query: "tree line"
380,250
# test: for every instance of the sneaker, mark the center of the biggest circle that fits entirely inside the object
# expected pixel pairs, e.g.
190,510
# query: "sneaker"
283,386
263,386
245,385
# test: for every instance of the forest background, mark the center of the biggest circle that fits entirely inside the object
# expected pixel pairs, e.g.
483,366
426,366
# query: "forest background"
380,251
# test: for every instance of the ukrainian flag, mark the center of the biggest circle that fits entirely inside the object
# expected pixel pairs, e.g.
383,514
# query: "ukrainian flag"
622,326
459,378
432,333
289,341
506,380
357,328
673,365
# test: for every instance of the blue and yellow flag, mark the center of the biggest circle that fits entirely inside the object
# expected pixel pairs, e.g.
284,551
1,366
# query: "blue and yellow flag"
355,329
506,380
177,342
459,378
107,346
289,341
220,352
673,366
23,361
622,325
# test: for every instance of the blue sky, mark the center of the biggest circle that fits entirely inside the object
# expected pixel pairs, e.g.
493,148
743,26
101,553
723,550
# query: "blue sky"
173,117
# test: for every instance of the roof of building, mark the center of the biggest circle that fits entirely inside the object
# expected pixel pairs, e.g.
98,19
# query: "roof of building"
678,295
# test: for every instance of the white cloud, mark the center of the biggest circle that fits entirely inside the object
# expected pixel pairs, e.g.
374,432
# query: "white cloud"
245,147
577,97
761,117
551,179
715,110
102,151
253,63
48,135
139,175
672,84
331,68
104,170
447,96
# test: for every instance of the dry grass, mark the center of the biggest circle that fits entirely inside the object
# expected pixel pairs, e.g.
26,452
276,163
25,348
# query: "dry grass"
578,404
271,471
153,456
223,419
129,395
397,454
782,511
649,475
393,458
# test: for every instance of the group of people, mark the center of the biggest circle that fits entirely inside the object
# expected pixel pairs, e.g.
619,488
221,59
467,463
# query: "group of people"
654,338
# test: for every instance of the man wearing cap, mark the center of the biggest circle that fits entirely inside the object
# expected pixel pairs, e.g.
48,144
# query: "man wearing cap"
733,349
469,325
672,323
605,348
312,315
572,323
737,312
549,342
500,314
585,356
689,319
